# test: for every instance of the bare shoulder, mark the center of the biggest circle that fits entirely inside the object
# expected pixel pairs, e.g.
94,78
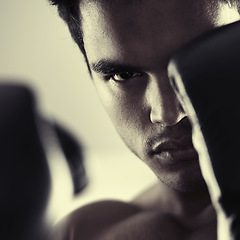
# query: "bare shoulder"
106,219
90,221
146,217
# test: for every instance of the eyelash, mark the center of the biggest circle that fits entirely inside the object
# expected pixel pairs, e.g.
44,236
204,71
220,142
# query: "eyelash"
130,76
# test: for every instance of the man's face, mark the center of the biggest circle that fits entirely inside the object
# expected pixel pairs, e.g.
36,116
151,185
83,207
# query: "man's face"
128,45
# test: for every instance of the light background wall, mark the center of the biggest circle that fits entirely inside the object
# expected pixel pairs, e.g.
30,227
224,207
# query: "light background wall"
36,49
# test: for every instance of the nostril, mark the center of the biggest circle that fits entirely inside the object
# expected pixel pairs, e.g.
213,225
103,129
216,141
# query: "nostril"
172,118
156,116
168,115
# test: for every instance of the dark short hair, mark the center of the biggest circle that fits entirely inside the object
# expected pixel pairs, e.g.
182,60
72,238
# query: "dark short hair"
69,11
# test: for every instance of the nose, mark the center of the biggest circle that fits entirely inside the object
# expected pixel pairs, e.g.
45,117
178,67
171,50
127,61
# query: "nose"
163,103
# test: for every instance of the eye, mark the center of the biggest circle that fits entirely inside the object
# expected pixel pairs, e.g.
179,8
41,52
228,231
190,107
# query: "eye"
125,76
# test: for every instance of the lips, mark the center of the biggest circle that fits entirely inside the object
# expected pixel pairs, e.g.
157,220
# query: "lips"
171,144
175,150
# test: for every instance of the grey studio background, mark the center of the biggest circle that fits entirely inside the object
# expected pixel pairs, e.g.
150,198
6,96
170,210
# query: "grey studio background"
36,47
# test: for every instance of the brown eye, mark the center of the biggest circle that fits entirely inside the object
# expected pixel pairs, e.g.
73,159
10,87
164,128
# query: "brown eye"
125,76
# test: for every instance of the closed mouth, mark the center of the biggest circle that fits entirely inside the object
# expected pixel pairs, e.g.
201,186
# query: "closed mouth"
181,144
170,151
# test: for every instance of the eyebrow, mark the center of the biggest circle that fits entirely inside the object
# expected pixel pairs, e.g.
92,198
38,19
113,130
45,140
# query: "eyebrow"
105,66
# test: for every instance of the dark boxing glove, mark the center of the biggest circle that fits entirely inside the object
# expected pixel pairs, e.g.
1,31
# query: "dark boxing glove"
74,155
205,76
35,179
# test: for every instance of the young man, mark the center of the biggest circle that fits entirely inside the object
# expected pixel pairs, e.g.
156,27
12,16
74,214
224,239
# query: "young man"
127,45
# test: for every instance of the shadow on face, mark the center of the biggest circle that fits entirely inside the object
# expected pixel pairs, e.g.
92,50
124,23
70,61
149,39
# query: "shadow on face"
128,46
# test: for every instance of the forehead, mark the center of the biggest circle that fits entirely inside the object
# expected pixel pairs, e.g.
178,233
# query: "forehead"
125,29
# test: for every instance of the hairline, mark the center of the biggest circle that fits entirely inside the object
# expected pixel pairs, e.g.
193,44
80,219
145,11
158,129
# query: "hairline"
70,12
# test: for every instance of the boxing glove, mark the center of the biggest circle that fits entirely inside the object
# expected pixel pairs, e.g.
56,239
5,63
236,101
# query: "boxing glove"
36,181
73,153
205,75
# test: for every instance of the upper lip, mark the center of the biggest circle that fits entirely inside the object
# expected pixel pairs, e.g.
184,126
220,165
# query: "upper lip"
172,144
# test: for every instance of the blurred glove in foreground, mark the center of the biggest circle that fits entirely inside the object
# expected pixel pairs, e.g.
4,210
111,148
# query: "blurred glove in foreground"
41,167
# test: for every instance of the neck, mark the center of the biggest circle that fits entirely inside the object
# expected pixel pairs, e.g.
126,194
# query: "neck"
185,206
192,208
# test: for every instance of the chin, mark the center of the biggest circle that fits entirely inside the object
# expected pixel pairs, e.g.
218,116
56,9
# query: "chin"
183,178
186,187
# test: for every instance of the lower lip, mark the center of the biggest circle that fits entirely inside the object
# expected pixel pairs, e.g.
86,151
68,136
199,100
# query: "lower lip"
172,156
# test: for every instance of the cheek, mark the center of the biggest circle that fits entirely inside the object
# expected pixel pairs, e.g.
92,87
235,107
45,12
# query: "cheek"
126,110
122,110
116,101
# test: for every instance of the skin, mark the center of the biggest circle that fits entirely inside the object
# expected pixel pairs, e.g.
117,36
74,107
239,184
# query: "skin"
139,38
128,46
